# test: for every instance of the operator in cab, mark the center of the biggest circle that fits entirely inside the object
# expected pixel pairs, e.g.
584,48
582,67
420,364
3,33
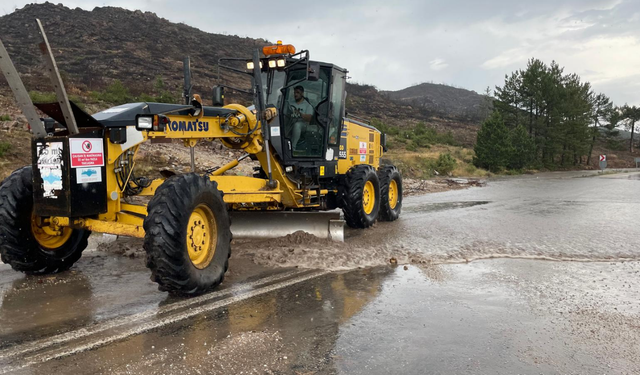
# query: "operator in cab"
301,112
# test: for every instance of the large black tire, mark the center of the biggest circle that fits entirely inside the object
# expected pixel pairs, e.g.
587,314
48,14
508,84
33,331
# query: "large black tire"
18,245
352,196
390,201
166,235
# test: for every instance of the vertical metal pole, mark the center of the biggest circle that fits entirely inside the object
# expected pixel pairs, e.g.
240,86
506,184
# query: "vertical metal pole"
260,107
187,80
20,93
56,80
193,159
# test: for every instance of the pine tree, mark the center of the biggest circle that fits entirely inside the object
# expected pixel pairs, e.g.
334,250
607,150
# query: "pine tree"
522,149
602,106
631,115
493,146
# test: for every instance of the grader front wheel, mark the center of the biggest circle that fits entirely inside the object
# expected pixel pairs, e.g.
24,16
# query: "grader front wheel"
27,244
361,197
187,235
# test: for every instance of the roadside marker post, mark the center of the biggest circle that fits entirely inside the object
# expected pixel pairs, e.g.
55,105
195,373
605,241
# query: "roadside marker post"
603,162
637,160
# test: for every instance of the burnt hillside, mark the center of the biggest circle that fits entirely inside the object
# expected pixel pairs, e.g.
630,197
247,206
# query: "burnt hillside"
96,47
442,100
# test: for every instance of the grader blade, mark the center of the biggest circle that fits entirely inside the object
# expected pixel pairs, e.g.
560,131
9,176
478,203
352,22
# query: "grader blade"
261,224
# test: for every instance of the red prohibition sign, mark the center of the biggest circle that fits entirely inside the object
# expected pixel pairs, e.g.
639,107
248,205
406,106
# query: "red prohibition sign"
86,146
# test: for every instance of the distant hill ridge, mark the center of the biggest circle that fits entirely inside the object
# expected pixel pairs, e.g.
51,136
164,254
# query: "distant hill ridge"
440,99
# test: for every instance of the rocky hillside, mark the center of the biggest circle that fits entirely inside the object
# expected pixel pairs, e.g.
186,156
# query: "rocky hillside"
93,48
442,100
367,102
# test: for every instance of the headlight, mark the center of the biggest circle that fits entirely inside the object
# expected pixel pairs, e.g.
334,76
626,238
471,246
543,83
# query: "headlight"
281,63
272,64
144,123
251,65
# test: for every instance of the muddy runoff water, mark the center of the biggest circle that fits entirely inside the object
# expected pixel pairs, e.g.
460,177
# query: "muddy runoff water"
558,217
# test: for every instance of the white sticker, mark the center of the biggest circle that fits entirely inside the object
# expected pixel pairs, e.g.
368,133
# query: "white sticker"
363,157
50,166
88,175
329,155
86,152
275,131
133,138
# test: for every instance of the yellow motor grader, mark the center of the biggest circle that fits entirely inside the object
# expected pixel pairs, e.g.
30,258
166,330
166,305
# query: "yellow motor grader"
83,172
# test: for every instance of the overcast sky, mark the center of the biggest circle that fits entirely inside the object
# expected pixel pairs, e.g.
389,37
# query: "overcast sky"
395,44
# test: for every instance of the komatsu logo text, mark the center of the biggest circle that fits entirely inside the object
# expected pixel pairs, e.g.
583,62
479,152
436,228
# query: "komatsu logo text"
189,126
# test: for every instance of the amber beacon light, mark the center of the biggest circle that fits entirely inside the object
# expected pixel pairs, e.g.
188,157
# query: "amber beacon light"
279,49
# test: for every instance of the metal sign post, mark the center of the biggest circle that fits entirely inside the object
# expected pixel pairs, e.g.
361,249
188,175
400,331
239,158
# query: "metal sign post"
603,162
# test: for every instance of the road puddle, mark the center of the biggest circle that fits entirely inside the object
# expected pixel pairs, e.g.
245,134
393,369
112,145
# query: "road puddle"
431,207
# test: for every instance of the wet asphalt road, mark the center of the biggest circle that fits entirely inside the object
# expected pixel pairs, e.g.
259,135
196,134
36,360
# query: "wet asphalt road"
440,315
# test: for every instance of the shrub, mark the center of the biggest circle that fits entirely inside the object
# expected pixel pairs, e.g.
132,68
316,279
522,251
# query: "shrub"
116,93
5,147
384,128
42,97
5,118
446,163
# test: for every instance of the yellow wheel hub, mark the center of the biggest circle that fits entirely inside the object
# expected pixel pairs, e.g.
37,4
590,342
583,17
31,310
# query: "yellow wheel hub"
46,237
368,197
393,194
202,236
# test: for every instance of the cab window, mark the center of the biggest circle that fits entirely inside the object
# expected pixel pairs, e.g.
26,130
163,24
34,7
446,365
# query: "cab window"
305,109
337,105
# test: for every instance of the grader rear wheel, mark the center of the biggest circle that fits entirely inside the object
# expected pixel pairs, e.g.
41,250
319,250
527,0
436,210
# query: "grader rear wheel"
26,242
390,192
187,235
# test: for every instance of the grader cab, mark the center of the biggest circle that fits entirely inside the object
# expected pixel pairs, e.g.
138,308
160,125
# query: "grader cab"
312,160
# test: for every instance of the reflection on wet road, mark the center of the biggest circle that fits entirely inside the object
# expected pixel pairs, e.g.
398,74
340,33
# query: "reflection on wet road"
281,312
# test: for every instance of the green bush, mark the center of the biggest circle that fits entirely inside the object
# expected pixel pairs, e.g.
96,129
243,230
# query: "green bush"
5,147
470,169
43,97
384,128
425,137
116,93
5,118
446,163
428,167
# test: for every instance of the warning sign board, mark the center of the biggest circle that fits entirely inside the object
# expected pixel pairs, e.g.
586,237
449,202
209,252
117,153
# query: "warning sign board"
363,148
603,157
86,152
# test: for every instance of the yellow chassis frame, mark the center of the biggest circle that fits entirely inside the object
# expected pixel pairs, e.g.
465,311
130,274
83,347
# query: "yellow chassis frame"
240,192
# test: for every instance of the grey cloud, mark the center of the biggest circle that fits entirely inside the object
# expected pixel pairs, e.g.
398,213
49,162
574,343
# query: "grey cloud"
395,44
